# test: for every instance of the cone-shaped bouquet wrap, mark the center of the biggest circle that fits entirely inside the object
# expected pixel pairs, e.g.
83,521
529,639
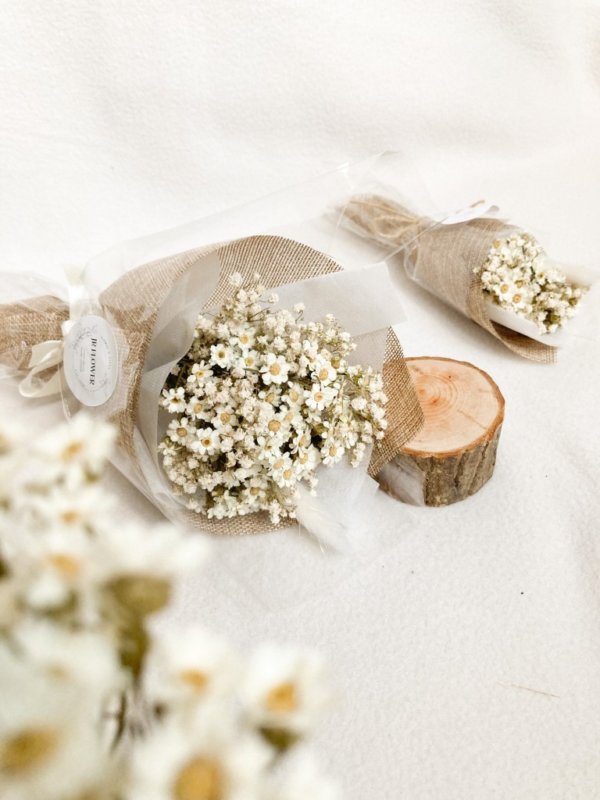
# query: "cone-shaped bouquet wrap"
490,270
119,352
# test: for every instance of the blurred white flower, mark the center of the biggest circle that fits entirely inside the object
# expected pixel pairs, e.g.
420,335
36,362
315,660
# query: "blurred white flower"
190,666
86,658
303,780
83,445
206,759
93,704
54,567
284,689
48,736
164,551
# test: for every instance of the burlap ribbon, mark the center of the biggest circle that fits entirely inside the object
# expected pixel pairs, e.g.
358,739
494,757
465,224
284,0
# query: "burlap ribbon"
442,258
131,305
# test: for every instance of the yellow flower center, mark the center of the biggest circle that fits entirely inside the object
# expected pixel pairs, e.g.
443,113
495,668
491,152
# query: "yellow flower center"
275,369
198,408
206,441
516,298
323,374
181,432
279,463
65,564
200,779
335,362
519,284
294,396
225,417
71,516
244,338
282,699
288,474
254,491
195,679
274,425
333,450
318,396
504,288
27,750
72,450
249,361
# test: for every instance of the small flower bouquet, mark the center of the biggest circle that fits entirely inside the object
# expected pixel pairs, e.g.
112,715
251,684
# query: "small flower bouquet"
519,279
490,270
261,399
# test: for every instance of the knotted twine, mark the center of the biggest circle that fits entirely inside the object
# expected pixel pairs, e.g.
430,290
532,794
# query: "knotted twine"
443,258
132,304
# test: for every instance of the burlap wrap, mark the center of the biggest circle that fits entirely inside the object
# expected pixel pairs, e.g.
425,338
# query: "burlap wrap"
442,258
132,304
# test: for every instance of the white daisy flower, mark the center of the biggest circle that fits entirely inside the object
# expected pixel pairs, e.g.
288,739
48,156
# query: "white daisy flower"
323,371
284,471
275,369
202,372
249,360
245,339
320,397
220,355
206,441
331,452
224,419
178,430
174,400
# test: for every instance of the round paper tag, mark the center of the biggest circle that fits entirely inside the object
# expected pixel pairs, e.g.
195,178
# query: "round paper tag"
91,360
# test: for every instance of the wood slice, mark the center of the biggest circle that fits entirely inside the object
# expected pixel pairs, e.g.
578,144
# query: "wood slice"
454,454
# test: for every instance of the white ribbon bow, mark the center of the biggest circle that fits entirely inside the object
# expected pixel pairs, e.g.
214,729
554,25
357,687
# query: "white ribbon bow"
50,354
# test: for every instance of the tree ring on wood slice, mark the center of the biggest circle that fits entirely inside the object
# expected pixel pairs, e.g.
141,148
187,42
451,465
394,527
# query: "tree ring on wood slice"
454,454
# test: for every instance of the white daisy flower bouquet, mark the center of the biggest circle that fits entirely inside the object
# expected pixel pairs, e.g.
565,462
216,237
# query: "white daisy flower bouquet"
490,270
259,402
96,701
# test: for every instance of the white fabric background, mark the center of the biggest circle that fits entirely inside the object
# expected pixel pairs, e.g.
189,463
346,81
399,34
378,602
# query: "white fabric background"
121,118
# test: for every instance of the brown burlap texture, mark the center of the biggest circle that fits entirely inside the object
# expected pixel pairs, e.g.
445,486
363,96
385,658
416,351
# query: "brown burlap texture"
131,305
442,258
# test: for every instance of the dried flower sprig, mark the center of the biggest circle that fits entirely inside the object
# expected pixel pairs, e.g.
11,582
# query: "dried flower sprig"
96,704
259,402
518,277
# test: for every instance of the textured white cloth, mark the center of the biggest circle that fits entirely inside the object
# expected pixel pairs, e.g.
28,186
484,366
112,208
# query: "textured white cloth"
467,657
